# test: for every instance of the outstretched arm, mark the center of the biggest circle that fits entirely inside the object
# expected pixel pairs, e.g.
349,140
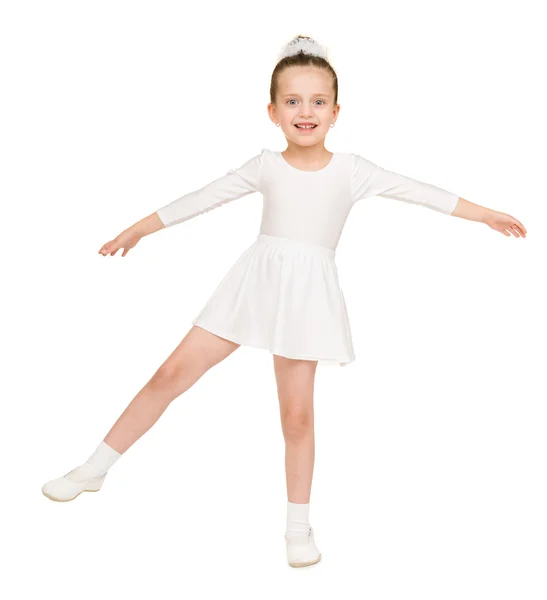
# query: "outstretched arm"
235,184
498,221
130,237
368,179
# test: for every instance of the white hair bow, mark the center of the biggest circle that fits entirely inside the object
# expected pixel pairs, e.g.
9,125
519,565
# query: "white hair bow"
307,45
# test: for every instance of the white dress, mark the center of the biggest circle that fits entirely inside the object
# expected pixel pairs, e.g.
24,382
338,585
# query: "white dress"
283,293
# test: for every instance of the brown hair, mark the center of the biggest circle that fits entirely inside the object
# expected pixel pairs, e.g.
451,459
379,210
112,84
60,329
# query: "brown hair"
302,59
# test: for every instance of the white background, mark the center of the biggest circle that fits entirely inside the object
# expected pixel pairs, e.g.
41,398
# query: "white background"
429,478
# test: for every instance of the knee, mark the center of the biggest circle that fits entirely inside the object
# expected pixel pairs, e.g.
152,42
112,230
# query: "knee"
171,375
297,423
164,378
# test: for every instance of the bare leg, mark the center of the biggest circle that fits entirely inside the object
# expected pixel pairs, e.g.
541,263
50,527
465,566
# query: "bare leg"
295,385
194,356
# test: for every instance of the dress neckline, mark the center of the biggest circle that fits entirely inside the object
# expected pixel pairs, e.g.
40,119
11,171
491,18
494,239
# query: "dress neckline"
302,170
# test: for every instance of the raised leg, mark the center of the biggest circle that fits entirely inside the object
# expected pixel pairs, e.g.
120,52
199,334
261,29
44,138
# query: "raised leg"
193,357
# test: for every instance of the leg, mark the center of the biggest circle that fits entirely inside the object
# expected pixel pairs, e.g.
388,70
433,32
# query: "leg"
193,357
295,385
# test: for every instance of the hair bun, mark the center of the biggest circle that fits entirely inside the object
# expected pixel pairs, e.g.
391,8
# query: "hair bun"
306,45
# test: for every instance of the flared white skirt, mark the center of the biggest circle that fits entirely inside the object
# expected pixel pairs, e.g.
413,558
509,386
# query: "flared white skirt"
284,296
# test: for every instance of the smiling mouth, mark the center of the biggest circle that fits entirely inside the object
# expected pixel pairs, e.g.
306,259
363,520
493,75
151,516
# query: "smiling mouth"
305,126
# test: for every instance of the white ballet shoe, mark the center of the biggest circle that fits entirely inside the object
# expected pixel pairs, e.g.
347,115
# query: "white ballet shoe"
63,489
301,548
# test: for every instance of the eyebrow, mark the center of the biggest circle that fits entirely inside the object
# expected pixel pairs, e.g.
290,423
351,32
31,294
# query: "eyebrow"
319,94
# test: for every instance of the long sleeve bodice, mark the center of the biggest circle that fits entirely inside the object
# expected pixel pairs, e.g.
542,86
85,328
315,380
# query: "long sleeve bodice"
310,206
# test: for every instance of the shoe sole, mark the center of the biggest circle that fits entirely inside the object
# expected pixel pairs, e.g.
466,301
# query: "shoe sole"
305,564
69,499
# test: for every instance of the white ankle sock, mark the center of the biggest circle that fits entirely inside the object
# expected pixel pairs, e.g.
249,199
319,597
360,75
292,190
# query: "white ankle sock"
297,517
97,464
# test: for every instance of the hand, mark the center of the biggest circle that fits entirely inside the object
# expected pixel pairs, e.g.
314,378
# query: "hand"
127,240
506,224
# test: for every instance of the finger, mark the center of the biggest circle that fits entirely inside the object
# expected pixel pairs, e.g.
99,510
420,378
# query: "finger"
514,231
519,230
522,228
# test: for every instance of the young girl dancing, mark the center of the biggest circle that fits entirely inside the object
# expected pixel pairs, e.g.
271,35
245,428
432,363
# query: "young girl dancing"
283,293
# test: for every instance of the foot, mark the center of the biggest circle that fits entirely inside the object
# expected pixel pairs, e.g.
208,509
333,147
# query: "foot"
72,485
301,548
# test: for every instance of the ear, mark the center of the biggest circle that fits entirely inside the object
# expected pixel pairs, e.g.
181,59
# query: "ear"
272,113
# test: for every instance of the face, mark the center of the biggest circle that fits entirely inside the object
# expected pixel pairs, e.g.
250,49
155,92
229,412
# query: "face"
305,94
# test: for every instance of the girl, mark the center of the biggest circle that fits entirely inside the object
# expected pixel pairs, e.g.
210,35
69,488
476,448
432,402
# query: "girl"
283,293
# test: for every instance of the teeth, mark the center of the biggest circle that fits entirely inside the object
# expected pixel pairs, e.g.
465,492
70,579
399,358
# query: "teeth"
305,126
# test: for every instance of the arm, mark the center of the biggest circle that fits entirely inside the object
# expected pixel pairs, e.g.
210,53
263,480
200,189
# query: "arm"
496,220
131,236
235,184
369,179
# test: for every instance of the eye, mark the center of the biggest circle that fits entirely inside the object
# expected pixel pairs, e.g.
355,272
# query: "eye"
293,100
